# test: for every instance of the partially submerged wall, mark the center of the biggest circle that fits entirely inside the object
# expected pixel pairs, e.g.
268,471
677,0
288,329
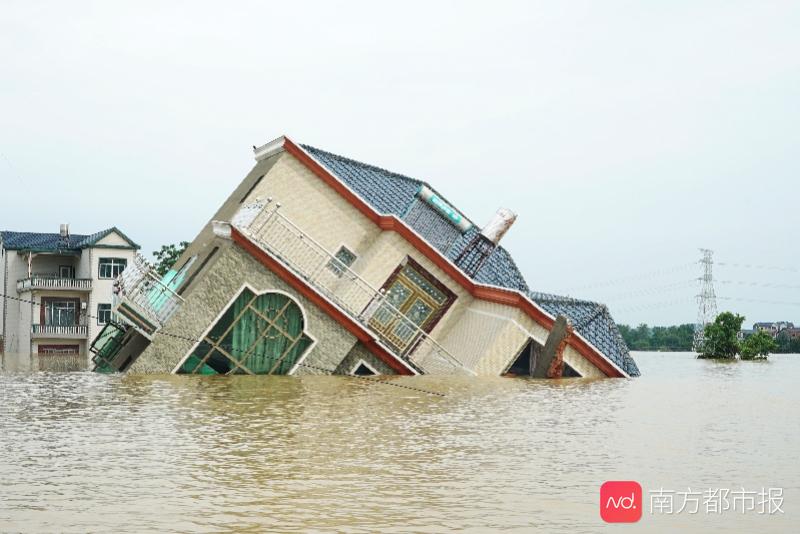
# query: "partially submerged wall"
215,287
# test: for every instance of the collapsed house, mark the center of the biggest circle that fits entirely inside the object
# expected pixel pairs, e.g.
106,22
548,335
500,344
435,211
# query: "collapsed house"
319,264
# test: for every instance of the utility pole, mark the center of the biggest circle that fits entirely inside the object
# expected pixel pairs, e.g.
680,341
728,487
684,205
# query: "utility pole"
706,299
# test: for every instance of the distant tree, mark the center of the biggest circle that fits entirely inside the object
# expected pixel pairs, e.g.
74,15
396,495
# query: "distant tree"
662,338
786,344
757,346
719,337
167,256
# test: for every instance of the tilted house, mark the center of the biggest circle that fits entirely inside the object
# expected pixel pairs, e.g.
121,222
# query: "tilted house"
321,264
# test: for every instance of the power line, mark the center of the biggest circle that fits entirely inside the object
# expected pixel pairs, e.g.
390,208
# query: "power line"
651,290
656,305
193,340
641,276
12,167
762,267
759,284
761,301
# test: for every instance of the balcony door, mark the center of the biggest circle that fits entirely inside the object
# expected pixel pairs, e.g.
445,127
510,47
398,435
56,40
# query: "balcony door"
59,311
414,302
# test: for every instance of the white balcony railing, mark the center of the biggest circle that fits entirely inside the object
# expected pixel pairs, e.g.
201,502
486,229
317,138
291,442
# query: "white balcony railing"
44,281
282,239
140,285
66,331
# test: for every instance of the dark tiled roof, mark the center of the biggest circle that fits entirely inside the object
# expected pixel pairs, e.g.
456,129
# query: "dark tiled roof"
392,193
593,321
52,242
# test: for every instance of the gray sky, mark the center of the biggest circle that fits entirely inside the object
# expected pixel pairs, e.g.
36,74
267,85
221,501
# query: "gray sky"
624,134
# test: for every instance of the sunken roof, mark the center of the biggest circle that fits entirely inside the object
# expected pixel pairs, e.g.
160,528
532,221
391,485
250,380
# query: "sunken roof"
47,242
391,193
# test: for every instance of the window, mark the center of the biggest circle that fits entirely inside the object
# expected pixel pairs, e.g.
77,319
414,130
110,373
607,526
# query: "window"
59,349
66,271
60,312
103,313
111,267
342,260
257,334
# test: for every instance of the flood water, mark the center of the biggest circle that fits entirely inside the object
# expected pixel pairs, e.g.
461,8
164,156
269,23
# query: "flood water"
85,452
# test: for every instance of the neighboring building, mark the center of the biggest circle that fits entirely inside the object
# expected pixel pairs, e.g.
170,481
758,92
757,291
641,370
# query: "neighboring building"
744,333
790,332
319,264
57,288
772,328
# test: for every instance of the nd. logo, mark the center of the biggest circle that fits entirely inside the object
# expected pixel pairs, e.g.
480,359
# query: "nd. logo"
621,501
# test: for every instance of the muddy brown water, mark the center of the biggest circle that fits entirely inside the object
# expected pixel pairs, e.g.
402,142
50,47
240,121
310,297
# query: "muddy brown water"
85,452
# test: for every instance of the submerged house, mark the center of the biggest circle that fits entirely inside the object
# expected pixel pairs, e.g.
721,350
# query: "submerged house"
319,264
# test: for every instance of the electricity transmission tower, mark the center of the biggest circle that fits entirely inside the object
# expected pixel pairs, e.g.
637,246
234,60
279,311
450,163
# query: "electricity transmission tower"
706,299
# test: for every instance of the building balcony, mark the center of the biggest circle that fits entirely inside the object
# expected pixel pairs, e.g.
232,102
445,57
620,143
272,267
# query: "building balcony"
284,241
52,331
144,300
53,282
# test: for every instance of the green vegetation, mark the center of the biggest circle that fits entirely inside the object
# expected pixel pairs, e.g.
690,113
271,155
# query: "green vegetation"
720,337
658,338
787,345
167,256
757,346
721,342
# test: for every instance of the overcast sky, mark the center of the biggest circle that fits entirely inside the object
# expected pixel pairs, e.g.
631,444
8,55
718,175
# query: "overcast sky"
624,134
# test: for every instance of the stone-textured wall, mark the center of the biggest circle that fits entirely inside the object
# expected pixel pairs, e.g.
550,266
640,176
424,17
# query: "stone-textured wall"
213,290
360,352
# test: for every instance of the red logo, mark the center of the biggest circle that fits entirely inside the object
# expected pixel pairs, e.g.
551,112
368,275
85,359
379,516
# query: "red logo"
621,501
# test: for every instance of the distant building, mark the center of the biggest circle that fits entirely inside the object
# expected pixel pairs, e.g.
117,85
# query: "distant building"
772,328
790,333
744,333
57,288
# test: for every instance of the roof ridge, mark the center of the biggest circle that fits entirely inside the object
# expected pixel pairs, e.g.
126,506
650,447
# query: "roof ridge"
552,297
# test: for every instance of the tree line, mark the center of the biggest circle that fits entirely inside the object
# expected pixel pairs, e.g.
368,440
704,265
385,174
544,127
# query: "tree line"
679,338
676,338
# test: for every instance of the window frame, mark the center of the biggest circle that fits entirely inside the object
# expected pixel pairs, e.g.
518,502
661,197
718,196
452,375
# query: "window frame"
70,271
99,312
337,269
47,303
114,262
236,294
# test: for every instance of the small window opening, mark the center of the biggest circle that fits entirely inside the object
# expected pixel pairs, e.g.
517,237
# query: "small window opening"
362,368
342,260
525,362
569,372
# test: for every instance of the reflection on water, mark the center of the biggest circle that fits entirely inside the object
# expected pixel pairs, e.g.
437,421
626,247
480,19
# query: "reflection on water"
198,454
